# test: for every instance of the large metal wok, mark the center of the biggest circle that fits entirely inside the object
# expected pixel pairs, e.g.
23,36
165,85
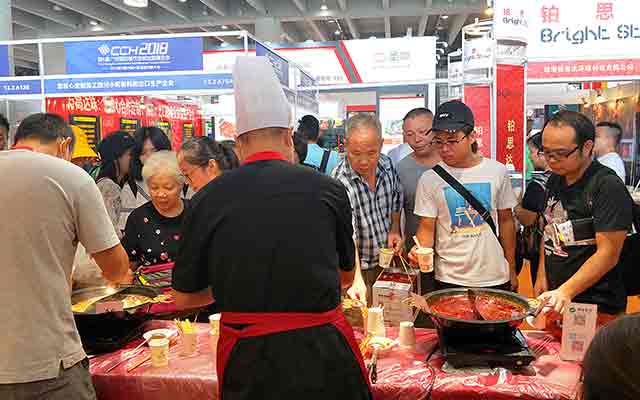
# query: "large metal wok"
105,294
521,306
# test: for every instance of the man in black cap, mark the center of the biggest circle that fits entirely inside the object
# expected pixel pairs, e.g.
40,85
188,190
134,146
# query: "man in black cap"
464,237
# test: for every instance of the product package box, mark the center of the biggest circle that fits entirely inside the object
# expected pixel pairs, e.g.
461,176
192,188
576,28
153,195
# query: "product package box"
390,290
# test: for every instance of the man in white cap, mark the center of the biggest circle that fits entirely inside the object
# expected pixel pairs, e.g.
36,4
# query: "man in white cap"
272,242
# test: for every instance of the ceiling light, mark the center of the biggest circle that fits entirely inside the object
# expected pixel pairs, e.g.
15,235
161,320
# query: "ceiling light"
224,44
224,27
372,37
309,41
137,3
97,28
324,7
56,7
444,16
337,32
182,1
93,23
489,11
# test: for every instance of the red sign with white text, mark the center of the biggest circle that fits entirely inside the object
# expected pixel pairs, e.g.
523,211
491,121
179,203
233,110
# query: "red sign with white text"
510,116
478,99
110,110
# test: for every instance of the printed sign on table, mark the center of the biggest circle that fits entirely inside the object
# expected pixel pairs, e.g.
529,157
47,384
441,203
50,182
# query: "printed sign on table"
134,55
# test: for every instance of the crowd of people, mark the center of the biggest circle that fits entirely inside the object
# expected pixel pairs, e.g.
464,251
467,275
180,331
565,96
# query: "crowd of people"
274,244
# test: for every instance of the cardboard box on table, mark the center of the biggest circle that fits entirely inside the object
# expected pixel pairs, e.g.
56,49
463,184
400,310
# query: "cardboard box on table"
391,289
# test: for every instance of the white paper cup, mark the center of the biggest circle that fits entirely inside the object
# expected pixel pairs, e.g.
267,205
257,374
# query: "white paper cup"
159,352
425,258
407,334
189,343
214,322
375,322
385,257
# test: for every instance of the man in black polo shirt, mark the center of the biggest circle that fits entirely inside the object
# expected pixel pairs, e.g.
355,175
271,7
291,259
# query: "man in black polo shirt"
272,243
588,213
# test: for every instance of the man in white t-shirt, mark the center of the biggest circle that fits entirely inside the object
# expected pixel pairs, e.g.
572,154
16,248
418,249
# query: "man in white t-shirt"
467,251
608,135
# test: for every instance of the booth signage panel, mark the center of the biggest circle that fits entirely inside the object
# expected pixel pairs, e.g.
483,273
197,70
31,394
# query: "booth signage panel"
20,88
138,83
478,54
134,55
280,65
511,20
478,98
323,63
393,60
584,29
621,67
5,69
456,76
510,115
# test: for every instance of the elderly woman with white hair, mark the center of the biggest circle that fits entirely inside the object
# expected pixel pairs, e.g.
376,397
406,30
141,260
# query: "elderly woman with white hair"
152,233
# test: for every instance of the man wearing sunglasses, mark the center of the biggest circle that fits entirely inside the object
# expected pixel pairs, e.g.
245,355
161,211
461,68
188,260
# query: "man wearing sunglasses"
588,213
467,249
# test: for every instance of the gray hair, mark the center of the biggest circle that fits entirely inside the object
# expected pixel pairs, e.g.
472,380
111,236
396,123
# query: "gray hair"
162,162
364,121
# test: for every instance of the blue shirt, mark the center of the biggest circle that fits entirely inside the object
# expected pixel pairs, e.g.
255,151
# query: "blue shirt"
314,157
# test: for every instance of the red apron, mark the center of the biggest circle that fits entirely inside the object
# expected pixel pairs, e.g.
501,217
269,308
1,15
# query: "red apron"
262,324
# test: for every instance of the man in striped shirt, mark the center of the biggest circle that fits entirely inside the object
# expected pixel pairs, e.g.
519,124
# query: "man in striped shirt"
375,194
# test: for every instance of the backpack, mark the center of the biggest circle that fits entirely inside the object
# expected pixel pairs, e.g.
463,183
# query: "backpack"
630,254
323,164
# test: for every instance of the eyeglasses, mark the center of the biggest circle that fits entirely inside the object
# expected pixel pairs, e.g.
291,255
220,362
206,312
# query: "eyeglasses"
557,154
451,142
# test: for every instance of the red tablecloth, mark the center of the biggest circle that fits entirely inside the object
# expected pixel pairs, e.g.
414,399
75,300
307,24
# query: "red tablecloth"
402,374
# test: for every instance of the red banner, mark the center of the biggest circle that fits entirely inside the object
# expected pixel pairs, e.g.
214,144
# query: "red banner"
510,116
100,116
478,99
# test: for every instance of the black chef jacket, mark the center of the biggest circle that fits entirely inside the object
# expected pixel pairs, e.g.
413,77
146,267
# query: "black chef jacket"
271,237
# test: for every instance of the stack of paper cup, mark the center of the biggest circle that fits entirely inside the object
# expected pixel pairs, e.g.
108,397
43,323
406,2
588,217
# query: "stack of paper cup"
189,342
214,321
407,334
375,322
159,352
425,259
385,257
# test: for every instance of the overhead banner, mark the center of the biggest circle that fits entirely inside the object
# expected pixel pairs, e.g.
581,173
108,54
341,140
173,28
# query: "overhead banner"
584,29
134,55
511,20
20,88
510,104
280,65
324,63
478,99
398,59
138,83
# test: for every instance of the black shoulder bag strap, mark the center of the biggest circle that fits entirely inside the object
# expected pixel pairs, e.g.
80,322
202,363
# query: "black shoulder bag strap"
453,182
325,161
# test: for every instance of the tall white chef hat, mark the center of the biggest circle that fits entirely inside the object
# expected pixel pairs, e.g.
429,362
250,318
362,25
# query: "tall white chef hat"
260,100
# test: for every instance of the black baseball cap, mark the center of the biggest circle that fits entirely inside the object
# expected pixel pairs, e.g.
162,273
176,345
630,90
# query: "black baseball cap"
452,116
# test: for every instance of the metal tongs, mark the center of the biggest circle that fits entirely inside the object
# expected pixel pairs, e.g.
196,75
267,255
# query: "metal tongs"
471,294
373,365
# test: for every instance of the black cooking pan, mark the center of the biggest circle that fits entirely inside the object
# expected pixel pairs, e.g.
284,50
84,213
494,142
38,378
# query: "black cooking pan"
475,326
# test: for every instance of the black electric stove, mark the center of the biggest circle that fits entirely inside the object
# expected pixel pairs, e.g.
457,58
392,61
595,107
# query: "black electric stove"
506,349
105,333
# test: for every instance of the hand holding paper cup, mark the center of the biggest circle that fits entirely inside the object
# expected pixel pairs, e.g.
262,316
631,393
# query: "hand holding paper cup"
385,257
425,257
